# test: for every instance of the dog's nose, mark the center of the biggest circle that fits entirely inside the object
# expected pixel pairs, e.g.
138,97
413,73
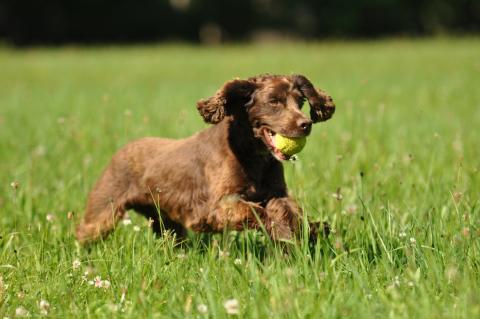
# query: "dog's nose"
305,125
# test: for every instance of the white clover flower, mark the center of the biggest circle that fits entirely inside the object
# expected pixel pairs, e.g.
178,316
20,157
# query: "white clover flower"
127,221
402,234
237,261
50,218
98,282
44,307
105,284
136,228
413,241
76,264
232,306
396,282
337,196
150,222
202,308
222,253
21,312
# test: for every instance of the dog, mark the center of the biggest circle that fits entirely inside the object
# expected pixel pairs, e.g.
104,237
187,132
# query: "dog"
228,176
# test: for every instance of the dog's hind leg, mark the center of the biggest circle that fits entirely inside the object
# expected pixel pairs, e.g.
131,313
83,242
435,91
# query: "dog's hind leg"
105,207
98,224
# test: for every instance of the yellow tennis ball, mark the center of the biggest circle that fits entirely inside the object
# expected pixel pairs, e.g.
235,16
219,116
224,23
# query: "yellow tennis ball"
290,145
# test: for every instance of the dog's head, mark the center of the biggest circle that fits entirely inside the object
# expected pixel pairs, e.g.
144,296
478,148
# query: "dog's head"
271,104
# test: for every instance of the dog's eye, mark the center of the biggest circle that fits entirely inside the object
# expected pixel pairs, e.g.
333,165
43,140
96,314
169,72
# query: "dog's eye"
274,102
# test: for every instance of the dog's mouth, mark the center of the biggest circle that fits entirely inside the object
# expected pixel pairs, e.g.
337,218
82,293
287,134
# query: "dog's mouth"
269,140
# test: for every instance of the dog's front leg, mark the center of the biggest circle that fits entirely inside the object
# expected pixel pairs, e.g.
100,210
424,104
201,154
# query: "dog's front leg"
233,212
282,218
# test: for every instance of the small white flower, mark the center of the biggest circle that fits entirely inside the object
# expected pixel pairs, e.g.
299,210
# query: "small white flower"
202,308
237,261
232,307
50,217
98,282
105,284
413,241
337,196
402,234
150,222
411,284
396,282
222,253
76,264
44,307
21,312
136,228
127,221
181,256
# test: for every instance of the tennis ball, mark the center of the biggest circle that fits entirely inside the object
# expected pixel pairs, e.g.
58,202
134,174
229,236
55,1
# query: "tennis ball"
289,145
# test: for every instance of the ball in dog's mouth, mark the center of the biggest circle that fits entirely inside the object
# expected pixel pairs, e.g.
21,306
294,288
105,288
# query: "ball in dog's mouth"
282,147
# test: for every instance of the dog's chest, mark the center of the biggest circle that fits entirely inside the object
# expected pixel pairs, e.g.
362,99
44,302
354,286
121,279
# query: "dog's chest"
256,186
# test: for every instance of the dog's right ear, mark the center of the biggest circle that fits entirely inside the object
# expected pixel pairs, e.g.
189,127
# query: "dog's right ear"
231,96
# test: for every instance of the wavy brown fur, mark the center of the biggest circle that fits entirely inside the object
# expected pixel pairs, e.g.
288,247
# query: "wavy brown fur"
224,177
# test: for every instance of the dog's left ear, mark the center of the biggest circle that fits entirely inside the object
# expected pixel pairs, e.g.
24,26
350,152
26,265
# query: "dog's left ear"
231,96
321,104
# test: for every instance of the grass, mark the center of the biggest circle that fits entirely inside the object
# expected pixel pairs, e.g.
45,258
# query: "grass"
402,149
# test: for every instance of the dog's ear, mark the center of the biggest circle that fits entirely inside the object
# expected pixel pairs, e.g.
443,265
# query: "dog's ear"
231,96
321,104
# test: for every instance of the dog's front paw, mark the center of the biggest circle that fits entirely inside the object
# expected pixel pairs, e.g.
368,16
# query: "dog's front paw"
318,229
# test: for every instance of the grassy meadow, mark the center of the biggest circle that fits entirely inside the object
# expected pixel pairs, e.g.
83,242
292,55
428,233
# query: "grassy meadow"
395,173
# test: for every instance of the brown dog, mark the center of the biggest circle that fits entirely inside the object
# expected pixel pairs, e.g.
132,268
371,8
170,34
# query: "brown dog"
228,176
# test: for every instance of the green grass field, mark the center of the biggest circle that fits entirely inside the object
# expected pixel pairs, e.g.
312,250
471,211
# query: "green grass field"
403,150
